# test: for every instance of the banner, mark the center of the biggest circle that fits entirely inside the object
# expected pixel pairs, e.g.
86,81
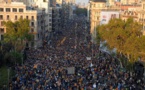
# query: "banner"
107,15
71,70
88,58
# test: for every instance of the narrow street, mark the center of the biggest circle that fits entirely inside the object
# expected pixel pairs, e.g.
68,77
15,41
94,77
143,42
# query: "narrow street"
69,62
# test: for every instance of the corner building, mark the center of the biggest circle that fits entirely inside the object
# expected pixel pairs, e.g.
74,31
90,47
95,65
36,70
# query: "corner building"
15,10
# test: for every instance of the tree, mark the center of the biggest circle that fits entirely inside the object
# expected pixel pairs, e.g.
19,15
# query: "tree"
126,37
15,38
81,11
17,33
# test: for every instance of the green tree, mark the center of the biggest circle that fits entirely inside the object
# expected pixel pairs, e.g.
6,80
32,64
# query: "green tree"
16,36
17,33
125,36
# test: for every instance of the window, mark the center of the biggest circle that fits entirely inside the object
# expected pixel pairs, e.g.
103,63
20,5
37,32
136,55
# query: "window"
38,35
8,17
1,9
94,5
1,17
8,10
20,10
14,9
32,23
21,17
98,5
50,24
2,37
32,30
27,17
16,17
41,27
143,6
32,17
2,23
50,15
98,18
2,30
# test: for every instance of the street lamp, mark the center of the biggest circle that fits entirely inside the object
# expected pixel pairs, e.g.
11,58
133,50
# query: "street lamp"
8,75
85,32
75,37
22,53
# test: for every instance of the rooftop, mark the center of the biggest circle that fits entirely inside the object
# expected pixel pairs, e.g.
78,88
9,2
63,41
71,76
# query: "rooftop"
98,0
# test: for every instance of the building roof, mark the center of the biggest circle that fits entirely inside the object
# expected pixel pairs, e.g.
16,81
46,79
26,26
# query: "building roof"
98,0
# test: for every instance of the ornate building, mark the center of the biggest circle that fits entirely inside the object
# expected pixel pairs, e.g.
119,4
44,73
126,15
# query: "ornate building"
95,7
15,10
129,13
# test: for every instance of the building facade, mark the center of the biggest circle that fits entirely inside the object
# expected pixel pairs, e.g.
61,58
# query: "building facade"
129,1
95,7
15,10
126,8
124,15
141,15
42,4
56,19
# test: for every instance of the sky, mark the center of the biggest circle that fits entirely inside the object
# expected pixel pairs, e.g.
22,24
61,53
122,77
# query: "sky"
82,1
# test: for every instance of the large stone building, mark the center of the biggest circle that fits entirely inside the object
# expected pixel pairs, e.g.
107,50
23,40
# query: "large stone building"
127,8
141,15
41,4
95,7
15,10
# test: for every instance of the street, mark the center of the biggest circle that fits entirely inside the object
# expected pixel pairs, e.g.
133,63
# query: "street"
47,68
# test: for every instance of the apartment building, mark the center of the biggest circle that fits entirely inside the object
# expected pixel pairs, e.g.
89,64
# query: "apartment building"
126,9
15,10
56,18
45,4
95,7
141,15
129,13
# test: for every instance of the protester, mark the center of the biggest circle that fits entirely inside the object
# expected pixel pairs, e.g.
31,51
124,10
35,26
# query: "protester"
46,68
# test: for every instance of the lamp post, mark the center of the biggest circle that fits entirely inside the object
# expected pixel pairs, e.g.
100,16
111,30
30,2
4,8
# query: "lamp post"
22,56
8,76
85,32
75,37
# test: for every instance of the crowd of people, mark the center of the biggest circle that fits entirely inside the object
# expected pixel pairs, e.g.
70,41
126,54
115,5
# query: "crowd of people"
47,68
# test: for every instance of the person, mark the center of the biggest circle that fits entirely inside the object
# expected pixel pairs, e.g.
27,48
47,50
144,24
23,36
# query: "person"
46,68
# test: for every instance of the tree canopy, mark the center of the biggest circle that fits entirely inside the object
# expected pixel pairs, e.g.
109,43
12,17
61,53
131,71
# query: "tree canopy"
17,33
125,36
81,11
15,38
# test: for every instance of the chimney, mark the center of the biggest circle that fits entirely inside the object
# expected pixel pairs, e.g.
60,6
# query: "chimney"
9,1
